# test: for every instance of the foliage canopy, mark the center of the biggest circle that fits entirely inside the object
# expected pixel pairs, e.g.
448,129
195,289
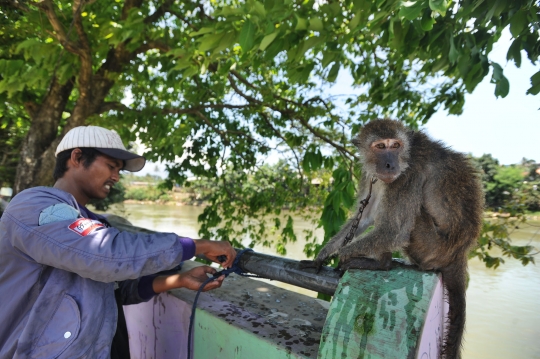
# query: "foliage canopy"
213,87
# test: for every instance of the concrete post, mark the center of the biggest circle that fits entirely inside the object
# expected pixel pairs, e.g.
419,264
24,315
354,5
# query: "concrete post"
376,314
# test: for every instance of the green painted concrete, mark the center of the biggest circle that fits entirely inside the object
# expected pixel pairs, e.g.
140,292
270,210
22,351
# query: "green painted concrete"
377,314
217,339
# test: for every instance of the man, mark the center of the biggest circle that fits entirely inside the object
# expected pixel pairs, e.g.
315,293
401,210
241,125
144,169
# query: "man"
59,262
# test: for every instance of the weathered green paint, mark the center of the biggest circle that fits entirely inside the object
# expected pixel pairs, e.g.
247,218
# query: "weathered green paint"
377,314
217,339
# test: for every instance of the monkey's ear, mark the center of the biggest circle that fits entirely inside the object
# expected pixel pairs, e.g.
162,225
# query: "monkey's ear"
356,141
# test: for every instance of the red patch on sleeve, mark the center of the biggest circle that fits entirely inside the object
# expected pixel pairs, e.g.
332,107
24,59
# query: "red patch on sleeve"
85,226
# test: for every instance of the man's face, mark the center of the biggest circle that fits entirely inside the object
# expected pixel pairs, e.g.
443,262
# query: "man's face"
96,181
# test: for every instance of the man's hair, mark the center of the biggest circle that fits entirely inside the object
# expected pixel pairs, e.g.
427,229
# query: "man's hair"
88,156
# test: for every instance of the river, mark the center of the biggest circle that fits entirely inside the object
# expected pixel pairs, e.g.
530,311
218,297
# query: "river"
503,305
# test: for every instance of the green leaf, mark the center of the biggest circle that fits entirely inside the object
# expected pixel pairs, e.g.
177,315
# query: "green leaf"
353,24
518,23
247,36
204,30
267,40
308,44
182,63
427,22
27,44
208,42
514,52
396,32
301,24
337,199
227,41
316,24
190,72
502,86
269,4
453,53
306,163
535,82
328,58
363,5
410,10
259,9
439,6
332,74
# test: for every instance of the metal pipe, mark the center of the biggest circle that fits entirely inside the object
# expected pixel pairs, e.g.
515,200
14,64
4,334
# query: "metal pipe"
267,266
288,271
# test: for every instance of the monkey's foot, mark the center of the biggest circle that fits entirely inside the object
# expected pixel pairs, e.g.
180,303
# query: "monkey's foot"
311,264
365,263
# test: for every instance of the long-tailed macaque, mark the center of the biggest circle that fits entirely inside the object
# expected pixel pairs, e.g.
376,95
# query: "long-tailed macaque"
427,203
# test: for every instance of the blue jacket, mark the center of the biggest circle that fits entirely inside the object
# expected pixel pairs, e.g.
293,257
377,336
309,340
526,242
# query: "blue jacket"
57,275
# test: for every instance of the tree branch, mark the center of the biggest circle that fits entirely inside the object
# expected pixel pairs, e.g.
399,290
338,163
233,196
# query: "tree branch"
175,13
315,133
203,13
128,5
86,73
293,114
240,92
217,130
243,79
118,106
31,108
18,5
48,8
160,11
278,134
112,106
149,45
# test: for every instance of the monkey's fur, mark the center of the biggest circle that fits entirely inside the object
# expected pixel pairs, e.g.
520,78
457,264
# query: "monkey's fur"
427,203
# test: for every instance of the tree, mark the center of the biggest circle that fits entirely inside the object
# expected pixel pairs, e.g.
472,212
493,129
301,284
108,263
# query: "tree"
220,84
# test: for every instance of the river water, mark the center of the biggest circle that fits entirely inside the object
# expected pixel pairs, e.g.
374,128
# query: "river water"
503,305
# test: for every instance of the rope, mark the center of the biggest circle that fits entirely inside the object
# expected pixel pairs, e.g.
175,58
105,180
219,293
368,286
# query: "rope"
235,268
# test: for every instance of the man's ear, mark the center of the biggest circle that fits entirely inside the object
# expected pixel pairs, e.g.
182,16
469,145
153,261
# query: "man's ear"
75,159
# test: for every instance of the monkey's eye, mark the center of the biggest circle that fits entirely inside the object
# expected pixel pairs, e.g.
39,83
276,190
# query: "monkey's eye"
380,146
396,145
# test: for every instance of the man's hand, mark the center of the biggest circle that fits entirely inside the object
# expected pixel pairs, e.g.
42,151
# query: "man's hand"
213,249
192,279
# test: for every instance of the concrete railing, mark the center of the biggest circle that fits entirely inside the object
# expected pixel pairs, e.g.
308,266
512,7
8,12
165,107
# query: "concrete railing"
373,314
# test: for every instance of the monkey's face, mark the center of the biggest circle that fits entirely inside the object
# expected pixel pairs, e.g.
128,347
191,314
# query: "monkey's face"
384,149
386,155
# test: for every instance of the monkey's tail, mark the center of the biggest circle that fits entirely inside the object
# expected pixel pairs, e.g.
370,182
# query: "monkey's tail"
455,283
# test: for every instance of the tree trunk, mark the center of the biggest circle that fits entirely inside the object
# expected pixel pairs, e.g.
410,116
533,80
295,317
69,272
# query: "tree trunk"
37,159
43,131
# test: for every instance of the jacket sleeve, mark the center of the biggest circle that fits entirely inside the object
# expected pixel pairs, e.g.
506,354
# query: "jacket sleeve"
130,291
95,251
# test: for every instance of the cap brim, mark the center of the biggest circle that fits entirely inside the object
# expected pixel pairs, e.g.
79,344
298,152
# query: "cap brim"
134,162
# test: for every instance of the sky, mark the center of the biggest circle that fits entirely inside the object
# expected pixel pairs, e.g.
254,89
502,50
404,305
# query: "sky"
507,128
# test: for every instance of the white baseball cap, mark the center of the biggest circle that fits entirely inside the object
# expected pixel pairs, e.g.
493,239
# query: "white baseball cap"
105,141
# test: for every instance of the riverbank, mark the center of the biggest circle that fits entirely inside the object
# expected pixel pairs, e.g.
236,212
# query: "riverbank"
187,201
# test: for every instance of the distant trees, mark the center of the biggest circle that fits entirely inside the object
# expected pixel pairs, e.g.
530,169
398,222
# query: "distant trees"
514,188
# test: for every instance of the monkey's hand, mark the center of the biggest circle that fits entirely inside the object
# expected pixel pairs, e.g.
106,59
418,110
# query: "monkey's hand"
324,255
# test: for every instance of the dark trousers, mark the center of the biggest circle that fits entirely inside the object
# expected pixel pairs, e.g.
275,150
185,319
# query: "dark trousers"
120,343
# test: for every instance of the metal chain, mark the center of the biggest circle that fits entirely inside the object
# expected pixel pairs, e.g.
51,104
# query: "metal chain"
356,221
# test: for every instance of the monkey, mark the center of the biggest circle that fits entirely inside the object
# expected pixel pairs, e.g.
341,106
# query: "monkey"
427,202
